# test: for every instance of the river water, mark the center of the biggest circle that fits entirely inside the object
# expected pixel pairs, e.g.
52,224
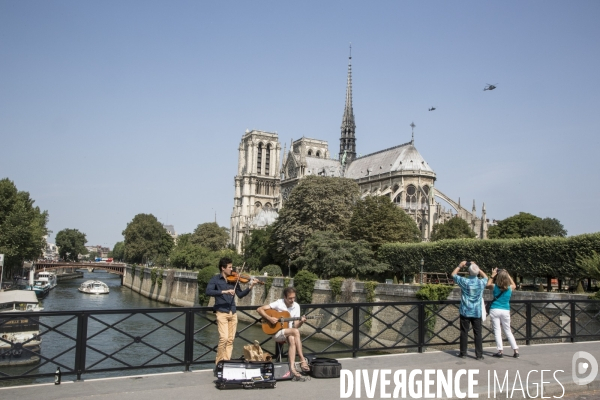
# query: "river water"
110,347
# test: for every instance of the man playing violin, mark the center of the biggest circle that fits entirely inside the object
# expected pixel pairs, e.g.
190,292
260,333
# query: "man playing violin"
292,334
224,293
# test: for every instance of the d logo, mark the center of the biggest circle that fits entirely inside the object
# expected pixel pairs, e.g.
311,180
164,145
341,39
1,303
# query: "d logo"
583,367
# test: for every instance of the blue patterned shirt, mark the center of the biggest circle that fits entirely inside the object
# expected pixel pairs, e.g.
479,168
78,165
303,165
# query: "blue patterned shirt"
471,294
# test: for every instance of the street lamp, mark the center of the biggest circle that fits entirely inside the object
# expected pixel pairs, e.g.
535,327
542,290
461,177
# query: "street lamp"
422,262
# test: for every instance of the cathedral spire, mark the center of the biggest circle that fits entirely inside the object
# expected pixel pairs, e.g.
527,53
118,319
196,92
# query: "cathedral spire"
348,139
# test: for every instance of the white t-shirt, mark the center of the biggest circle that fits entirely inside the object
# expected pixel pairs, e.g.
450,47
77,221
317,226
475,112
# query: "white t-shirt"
294,310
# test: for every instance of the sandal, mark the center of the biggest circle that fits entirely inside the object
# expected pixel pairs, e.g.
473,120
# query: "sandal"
304,366
297,377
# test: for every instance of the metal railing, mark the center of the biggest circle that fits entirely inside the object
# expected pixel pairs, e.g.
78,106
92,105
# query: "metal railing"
82,342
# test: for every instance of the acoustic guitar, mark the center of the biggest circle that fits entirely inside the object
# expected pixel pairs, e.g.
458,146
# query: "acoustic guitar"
283,322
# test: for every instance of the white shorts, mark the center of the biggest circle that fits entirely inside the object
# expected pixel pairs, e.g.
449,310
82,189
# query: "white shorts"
279,336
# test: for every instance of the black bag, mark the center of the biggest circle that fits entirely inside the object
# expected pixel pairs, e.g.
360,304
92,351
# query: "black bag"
488,304
239,374
325,368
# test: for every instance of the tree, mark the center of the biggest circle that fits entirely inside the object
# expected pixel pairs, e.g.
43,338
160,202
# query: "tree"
589,266
22,227
328,255
455,228
545,227
71,243
118,252
315,204
259,249
524,225
146,239
211,236
376,220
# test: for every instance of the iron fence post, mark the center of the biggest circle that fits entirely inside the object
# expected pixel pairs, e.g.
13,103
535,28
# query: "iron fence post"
189,339
421,318
355,330
528,323
573,322
81,344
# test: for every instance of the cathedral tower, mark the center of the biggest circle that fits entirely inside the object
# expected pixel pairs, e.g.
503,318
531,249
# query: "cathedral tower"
348,139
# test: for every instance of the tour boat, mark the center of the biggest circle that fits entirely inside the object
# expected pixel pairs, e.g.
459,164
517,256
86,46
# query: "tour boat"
41,288
94,287
48,277
20,339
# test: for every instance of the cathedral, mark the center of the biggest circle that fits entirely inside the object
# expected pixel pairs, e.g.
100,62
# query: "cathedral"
264,181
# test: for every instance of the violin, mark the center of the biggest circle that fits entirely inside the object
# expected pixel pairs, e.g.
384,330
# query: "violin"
241,278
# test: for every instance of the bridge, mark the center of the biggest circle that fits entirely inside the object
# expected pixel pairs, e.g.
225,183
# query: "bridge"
115,268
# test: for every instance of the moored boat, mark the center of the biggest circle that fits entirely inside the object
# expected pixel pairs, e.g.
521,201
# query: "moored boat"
20,339
41,288
48,277
94,287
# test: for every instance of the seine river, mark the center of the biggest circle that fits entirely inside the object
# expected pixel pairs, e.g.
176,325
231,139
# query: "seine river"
102,341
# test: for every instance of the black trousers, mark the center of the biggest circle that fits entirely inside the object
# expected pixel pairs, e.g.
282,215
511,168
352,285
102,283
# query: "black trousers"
464,335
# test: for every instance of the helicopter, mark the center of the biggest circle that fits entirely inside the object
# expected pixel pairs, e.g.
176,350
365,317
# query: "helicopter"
432,109
490,87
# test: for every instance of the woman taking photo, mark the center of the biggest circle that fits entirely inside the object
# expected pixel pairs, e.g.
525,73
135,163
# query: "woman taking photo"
502,285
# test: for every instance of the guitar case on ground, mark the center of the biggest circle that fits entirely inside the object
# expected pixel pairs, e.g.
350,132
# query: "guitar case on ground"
239,374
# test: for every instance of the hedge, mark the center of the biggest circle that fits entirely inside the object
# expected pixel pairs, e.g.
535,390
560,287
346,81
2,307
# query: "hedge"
536,256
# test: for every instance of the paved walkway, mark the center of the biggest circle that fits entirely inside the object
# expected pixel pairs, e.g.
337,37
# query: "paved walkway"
199,384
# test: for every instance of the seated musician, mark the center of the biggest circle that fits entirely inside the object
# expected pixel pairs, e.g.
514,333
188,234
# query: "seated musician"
291,334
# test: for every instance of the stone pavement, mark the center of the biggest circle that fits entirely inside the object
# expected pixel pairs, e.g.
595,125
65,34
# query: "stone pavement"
199,384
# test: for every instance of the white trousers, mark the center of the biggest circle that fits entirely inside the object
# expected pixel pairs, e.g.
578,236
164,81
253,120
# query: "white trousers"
502,317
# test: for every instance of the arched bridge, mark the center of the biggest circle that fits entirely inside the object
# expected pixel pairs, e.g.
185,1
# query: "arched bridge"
110,267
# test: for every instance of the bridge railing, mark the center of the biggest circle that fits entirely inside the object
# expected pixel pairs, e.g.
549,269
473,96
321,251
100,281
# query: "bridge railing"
112,341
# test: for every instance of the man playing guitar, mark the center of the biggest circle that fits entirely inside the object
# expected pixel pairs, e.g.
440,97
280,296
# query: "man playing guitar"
292,334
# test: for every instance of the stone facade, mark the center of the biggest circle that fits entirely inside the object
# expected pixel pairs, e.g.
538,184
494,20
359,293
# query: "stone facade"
399,172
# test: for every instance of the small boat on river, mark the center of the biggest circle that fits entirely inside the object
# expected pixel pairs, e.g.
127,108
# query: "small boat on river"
41,288
94,287
48,277
20,339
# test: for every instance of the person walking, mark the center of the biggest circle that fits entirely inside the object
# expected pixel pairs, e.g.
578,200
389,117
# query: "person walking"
502,285
224,307
470,306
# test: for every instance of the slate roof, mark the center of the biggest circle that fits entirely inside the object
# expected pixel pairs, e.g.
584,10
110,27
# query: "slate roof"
404,157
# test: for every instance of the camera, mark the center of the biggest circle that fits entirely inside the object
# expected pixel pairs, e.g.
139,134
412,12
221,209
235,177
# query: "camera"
468,264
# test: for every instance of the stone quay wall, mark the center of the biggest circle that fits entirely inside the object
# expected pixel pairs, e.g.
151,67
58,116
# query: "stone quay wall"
388,326
178,288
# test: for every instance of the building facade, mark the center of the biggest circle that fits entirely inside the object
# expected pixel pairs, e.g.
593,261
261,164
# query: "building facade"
399,172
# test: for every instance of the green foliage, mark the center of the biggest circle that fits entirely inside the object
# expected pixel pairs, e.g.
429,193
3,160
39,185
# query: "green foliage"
211,236
260,250
22,227
118,252
376,220
335,284
595,296
590,265
579,289
432,292
272,270
536,256
526,225
455,228
159,278
268,285
70,243
304,282
327,254
145,239
286,282
204,276
316,204
153,276
369,298
395,280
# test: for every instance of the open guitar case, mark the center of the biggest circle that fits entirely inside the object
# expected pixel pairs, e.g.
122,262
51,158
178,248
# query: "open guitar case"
241,374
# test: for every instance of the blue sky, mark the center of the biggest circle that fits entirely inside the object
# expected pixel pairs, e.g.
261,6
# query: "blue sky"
109,109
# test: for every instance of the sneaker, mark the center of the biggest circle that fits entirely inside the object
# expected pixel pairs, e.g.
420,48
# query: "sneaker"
516,355
460,355
499,355
479,358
